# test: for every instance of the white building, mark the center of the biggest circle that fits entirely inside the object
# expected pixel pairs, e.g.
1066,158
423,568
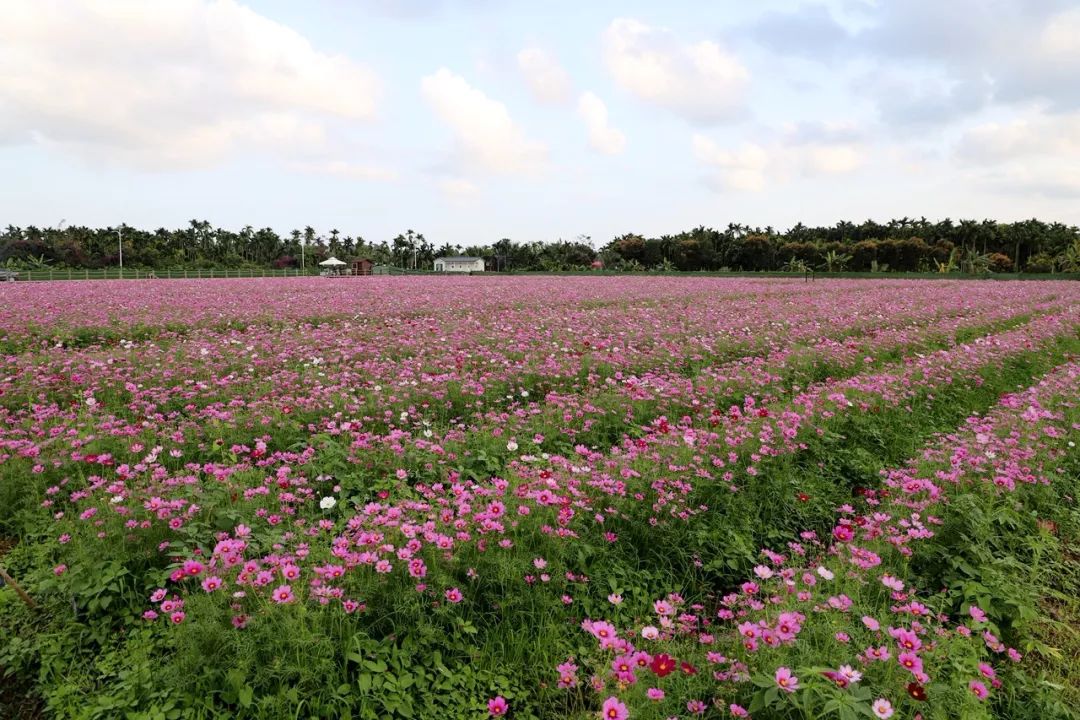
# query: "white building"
459,264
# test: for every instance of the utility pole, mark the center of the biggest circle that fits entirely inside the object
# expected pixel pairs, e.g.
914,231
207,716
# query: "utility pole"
120,238
302,265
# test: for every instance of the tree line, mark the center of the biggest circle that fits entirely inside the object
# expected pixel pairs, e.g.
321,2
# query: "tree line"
905,244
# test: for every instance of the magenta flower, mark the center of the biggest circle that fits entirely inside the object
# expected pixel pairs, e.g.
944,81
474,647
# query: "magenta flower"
567,674
612,709
978,689
655,694
911,662
497,706
283,594
192,568
738,711
453,595
602,630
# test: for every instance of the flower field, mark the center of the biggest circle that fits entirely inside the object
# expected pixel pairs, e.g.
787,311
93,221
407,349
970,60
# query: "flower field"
545,497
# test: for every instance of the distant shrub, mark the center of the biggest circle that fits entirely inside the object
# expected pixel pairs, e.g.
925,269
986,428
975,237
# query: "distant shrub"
1000,262
1040,263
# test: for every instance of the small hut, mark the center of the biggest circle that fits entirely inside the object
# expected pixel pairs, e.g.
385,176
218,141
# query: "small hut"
363,266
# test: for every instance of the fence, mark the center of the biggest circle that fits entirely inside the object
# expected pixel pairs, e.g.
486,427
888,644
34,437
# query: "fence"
135,274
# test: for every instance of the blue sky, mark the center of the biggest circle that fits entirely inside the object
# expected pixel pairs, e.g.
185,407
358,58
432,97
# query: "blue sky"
471,120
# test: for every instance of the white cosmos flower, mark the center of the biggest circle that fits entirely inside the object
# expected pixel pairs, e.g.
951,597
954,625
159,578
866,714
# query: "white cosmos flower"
327,502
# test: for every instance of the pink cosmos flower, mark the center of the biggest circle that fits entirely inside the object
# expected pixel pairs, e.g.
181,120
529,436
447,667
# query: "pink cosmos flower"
850,674
911,662
882,708
453,595
612,709
738,711
601,630
623,667
892,583
786,681
211,583
654,694
978,689
192,568
283,594
567,674
748,630
417,568
906,639
696,707
497,706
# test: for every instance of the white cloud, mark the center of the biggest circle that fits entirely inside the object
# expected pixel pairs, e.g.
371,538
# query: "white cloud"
459,188
1060,37
1040,135
487,137
347,170
700,81
547,80
742,169
1038,154
602,137
797,153
168,85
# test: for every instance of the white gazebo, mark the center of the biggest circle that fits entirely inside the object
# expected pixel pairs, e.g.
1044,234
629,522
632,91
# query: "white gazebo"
333,265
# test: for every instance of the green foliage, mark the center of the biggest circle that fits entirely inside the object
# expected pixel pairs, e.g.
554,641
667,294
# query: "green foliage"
904,244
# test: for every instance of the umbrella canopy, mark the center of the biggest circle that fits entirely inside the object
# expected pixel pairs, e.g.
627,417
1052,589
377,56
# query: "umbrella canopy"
331,262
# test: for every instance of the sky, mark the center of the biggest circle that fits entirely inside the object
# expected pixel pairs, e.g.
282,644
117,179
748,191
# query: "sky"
473,120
